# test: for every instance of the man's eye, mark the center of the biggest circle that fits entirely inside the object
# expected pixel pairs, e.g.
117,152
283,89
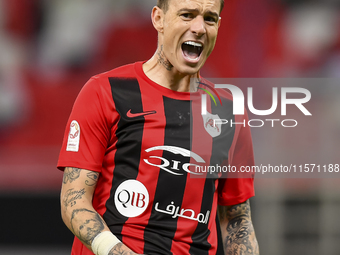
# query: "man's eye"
211,19
186,15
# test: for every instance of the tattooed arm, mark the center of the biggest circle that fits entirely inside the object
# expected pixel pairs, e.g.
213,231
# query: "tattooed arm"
77,211
237,230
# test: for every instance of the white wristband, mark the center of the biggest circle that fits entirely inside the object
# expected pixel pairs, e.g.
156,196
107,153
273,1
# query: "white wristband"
103,243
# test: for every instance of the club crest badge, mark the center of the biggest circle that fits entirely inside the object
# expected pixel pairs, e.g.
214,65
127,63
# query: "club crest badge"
211,125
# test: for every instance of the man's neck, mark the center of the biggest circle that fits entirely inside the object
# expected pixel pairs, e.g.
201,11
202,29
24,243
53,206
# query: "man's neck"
162,73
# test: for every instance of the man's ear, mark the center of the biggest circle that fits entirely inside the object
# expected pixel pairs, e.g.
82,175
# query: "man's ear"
219,21
157,17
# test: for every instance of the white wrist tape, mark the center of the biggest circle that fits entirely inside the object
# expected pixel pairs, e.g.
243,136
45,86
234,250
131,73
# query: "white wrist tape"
103,243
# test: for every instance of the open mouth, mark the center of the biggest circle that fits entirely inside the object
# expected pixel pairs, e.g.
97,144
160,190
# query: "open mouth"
192,50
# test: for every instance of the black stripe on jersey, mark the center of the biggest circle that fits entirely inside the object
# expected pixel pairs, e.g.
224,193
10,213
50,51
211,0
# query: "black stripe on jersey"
220,149
170,188
126,96
200,244
220,249
222,144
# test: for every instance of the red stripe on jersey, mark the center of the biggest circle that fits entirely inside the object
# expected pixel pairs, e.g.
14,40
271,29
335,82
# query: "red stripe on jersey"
102,192
212,239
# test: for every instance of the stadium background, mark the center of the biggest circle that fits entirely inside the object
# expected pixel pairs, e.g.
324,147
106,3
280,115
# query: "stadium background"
49,49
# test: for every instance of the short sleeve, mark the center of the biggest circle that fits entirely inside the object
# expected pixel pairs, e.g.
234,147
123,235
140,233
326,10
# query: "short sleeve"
88,129
238,187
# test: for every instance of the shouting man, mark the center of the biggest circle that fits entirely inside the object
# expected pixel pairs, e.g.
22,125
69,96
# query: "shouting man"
130,151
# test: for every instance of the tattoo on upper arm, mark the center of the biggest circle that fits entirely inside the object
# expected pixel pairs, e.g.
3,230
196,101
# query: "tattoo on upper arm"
71,174
86,225
162,59
71,196
93,177
240,231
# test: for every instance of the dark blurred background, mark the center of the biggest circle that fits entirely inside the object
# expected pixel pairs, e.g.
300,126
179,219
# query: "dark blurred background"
50,48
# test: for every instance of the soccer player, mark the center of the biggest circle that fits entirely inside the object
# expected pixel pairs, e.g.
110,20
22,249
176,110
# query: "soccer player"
130,148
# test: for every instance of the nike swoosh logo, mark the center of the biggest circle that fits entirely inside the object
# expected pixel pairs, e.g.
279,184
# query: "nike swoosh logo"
133,115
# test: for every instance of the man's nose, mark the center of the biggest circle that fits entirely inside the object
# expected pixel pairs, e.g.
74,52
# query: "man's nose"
198,26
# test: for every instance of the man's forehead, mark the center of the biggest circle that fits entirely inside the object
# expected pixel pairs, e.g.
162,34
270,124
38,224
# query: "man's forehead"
211,5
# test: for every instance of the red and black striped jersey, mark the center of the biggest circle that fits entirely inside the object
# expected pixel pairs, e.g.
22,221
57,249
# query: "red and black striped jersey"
147,142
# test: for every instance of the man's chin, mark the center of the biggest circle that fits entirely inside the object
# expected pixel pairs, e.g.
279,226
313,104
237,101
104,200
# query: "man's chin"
189,69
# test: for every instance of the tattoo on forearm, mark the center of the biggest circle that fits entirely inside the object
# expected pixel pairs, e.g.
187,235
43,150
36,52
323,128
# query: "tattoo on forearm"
120,249
71,196
240,231
162,59
238,241
86,225
93,177
71,174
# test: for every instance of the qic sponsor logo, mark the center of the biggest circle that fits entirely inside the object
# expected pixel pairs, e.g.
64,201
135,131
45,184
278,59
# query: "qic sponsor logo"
131,198
174,167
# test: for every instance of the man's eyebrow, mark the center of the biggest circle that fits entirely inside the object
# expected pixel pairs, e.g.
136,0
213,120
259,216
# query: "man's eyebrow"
211,13
188,10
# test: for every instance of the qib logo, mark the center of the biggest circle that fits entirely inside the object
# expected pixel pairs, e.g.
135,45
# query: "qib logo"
131,198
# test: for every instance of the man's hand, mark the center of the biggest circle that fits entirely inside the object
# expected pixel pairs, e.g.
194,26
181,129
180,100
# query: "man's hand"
237,230
121,249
